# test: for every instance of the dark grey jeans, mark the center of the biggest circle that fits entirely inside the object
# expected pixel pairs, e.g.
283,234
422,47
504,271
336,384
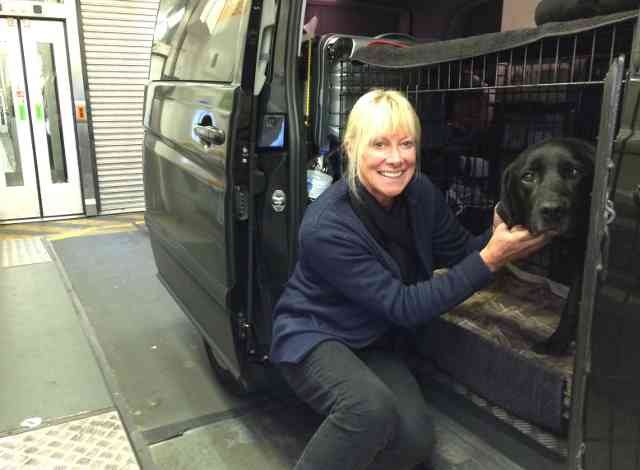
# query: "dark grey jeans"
376,416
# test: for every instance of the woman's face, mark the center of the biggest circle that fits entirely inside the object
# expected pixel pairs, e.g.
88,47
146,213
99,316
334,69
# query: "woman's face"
387,165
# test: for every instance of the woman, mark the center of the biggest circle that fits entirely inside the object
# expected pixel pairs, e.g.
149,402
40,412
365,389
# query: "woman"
367,250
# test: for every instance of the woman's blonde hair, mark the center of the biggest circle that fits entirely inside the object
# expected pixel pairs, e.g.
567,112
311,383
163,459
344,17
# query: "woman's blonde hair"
376,113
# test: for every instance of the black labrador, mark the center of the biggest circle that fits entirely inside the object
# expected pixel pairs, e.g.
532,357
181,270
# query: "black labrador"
548,188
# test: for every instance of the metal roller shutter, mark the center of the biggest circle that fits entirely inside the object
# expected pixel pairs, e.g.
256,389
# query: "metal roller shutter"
117,46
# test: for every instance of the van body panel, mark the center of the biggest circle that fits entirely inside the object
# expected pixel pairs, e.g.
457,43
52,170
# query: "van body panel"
199,122
189,191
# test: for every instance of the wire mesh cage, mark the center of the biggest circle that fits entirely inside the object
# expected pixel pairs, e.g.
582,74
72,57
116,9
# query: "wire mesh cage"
479,113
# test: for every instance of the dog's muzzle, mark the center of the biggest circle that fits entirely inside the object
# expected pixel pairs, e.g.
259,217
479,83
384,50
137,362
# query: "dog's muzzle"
551,215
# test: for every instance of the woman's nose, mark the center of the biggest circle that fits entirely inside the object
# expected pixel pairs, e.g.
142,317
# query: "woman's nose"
394,155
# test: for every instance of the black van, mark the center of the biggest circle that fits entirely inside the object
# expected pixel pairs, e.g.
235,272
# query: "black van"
244,100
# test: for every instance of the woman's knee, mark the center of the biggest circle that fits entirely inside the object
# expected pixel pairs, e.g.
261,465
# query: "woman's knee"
369,407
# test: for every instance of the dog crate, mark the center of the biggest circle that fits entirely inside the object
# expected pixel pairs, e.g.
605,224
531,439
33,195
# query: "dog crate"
482,101
479,112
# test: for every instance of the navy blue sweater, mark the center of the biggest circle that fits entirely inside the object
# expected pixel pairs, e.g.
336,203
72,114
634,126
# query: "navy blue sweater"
346,287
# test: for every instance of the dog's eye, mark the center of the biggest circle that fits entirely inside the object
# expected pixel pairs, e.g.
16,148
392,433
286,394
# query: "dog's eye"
573,172
528,177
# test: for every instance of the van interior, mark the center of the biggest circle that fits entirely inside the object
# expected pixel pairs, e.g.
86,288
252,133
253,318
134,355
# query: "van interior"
481,101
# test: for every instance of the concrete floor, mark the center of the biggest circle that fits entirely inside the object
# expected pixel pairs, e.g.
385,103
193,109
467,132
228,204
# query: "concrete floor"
90,340
55,408
123,347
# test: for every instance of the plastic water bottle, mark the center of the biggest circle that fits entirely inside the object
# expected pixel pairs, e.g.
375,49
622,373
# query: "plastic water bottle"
319,176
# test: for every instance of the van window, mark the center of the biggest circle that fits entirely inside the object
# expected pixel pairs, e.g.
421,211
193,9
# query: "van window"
210,49
170,16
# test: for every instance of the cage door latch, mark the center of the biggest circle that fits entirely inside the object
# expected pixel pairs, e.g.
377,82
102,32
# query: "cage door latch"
609,217
582,449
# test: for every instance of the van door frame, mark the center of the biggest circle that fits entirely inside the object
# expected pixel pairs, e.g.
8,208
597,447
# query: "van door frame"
595,260
297,147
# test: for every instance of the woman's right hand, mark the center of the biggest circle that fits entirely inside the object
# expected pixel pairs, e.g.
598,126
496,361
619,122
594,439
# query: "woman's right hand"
511,244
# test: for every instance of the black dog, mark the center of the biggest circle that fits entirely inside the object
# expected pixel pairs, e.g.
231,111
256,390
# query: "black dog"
548,188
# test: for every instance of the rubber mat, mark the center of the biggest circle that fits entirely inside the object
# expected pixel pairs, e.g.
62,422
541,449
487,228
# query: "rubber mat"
270,438
152,349
48,369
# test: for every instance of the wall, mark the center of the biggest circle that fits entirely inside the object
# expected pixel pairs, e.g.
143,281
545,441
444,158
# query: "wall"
518,14
117,36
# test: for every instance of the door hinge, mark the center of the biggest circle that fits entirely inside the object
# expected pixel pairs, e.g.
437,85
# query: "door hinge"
247,334
582,449
244,327
603,263
609,212
241,202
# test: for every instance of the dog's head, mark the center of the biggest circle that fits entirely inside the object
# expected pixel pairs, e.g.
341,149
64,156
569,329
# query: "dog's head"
548,187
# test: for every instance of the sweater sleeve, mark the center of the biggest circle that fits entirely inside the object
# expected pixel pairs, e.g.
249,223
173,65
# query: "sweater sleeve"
345,262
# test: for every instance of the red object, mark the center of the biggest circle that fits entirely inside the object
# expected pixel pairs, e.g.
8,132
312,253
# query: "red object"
387,42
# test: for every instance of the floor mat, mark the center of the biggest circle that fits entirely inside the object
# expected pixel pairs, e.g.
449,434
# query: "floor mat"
48,369
152,349
271,438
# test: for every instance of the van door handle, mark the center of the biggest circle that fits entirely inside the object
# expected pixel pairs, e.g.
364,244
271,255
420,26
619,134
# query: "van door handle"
210,135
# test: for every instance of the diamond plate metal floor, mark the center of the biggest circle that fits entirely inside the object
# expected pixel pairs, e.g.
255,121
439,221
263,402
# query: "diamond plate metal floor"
97,442
20,252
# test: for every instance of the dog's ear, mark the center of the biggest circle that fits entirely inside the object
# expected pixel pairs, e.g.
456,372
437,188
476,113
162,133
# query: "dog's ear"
510,208
585,152
582,150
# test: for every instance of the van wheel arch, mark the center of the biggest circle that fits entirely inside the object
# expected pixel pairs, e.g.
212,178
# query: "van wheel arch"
224,377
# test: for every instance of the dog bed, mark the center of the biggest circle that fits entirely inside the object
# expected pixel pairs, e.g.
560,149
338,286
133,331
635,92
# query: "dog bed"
486,345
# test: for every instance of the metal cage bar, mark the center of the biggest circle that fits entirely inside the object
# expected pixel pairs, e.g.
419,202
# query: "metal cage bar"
516,96
564,61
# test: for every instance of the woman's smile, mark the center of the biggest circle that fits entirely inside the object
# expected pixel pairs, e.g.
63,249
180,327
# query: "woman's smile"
391,174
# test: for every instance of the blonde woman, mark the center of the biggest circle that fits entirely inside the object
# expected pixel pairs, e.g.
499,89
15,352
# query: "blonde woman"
367,250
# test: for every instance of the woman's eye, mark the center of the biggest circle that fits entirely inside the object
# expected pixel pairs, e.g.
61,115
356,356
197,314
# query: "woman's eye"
407,144
378,145
528,177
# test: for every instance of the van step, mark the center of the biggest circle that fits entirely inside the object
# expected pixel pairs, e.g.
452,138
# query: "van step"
459,449
470,438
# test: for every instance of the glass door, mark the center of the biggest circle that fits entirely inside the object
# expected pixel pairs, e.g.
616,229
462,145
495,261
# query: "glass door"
51,110
39,174
18,182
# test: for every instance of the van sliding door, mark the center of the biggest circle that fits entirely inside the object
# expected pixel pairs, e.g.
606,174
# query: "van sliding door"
198,141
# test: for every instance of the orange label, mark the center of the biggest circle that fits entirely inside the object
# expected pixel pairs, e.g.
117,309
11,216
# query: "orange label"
81,112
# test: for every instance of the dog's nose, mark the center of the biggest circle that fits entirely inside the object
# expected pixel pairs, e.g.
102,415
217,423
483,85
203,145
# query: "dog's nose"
553,211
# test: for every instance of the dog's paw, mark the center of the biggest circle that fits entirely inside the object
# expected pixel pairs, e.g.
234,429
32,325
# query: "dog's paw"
552,347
